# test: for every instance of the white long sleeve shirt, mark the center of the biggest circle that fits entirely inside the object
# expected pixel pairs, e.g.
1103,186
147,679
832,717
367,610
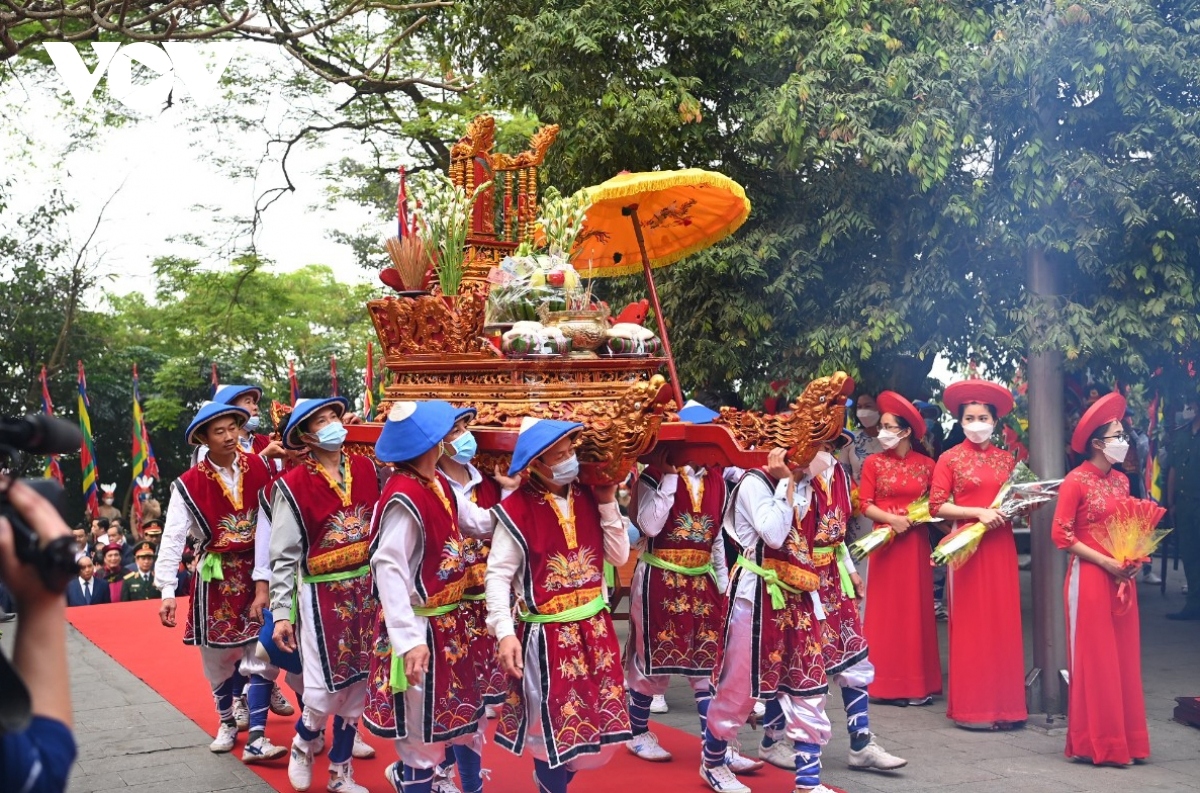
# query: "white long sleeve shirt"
760,514
395,566
178,525
506,561
654,507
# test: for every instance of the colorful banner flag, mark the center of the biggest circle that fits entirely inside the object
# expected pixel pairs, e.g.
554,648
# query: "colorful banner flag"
333,374
1153,487
52,470
293,385
402,207
87,451
215,381
368,395
144,463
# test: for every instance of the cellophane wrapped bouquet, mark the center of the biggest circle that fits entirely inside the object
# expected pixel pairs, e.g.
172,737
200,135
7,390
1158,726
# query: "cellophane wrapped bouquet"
918,512
1022,493
1130,536
532,278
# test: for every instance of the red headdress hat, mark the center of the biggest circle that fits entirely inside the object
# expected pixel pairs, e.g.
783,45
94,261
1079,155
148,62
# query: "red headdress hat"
891,402
983,392
1107,409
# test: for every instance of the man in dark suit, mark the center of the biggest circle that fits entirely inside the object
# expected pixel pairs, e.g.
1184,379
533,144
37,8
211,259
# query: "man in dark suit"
85,590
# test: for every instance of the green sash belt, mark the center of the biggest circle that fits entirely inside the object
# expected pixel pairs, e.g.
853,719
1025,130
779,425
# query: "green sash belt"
610,576
475,598
843,571
583,612
211,568
345,575
397,680
663,564
775,587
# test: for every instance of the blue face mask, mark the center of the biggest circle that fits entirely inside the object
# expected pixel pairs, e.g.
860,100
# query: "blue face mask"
464,448
251,424
331,437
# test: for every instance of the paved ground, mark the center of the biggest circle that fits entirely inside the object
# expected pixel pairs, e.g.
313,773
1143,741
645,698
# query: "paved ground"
131,740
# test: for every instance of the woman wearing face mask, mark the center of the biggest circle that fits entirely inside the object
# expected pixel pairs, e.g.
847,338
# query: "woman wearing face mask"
900,624
1106,718
987,661
552,538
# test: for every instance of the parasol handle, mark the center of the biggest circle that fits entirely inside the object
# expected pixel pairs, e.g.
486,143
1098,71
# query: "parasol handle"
631,211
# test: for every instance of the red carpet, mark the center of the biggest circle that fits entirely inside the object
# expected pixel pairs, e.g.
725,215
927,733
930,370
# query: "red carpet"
132,634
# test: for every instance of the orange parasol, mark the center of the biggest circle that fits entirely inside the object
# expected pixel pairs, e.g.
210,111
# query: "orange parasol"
673,214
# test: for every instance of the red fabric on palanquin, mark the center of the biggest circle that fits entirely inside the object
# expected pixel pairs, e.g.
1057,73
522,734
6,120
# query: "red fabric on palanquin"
891,402
899,622
986,681
1106,714
1107,409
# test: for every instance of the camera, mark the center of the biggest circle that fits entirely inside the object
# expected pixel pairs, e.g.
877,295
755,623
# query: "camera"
38,435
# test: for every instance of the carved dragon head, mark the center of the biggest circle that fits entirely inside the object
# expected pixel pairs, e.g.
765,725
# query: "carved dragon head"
818,415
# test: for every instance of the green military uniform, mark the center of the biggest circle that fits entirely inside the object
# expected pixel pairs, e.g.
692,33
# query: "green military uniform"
1183,452
138,585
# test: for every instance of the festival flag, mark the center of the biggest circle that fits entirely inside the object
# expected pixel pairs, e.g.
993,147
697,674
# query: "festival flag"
369,396
333,374
402,207
292,384
144,463
87,451
52,470
215,381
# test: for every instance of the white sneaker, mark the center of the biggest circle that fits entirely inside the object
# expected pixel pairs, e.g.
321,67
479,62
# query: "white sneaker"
341,779
822,789
362,750
760,708
392,772
444,784
646,747
740,764
658,704
490,711
279,704
261,751
241,713
721,779
226,736
780,754
873,757
300,764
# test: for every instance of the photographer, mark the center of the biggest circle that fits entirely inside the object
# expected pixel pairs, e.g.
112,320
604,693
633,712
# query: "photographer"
38,758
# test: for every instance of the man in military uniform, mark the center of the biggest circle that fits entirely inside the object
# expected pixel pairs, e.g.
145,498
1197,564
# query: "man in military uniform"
1183,501
139,585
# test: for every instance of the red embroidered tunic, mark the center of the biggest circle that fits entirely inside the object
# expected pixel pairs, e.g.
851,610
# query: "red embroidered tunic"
679,616
841,630
450,704
987,658
1107,711
578,669
219,615
335,537
492,680
899,622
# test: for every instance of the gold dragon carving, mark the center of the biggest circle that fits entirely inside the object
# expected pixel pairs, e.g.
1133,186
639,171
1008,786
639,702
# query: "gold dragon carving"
817,416
428,325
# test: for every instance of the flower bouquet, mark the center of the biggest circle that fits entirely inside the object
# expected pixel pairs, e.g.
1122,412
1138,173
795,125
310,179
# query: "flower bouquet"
443,210
1130,537
1022,493
918,512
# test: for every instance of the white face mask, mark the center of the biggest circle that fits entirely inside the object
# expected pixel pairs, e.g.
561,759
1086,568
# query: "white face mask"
1187,414
1115,451
867,417
821,463
889,439
978,431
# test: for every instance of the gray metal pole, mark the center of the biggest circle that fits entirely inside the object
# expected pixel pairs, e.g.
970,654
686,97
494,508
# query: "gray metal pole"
1047,446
